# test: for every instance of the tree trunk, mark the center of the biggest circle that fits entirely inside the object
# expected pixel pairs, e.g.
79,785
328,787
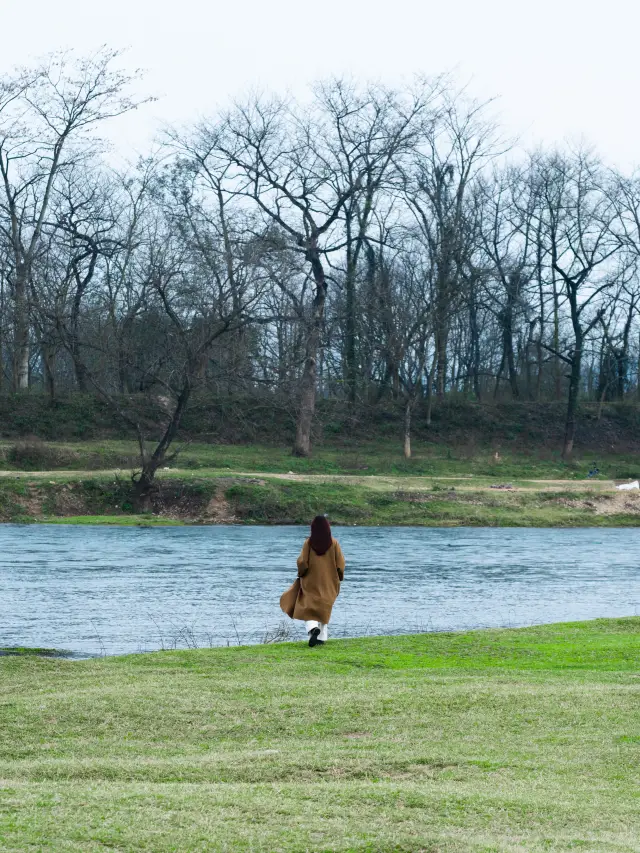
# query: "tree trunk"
541,320
441,369
143,490
351,370
475,347
539,367
2,315
496,387
21,332
123,370
556,343
529,361
395,378
407,430
79,368
638,371
144,483
76,355
572,403
511,366
591,380
623,354
623,366
601,403
354,247
48,364
302,445
430,378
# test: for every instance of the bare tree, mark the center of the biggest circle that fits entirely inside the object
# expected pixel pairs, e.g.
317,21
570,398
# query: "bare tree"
285,165
414,313
437,190
581,241
47,114
372,133
357,247
507,259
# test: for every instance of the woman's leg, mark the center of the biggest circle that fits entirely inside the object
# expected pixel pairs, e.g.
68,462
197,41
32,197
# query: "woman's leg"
313,630
324,632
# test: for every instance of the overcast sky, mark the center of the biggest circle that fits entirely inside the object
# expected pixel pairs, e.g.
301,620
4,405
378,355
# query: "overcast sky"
561,69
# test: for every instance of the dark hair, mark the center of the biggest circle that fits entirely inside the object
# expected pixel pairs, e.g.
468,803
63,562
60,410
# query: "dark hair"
320,539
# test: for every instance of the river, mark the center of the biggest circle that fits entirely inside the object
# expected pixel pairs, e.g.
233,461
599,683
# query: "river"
107,590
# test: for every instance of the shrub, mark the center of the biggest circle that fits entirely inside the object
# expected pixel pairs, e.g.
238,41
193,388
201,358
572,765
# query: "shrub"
32,454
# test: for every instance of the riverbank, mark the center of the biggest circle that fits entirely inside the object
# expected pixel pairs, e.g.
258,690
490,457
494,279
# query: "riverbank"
491,740
216,497
355,484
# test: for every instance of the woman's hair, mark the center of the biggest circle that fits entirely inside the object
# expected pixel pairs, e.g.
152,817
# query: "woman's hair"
320,539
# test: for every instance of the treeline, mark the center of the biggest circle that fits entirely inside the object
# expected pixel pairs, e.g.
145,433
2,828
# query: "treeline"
367,243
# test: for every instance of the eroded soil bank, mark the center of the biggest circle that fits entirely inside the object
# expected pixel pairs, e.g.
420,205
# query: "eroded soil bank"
288,499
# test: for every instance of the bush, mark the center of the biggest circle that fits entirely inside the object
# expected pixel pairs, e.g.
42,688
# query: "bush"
32,454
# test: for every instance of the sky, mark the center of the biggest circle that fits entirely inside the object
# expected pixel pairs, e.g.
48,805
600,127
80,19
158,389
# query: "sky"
561,70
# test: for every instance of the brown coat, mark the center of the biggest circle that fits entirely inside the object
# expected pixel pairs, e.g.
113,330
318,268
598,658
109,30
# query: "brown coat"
319,582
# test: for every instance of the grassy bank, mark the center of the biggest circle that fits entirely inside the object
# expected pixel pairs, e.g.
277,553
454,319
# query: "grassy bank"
267,419
338,458
367,484
430,504
507,740
212,497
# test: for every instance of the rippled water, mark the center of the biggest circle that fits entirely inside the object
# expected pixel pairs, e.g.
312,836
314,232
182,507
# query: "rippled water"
96,590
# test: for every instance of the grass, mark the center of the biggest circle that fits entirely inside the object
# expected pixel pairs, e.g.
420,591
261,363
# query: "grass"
382,504
512,740
208,497
342,457
119,520
368,484
25,650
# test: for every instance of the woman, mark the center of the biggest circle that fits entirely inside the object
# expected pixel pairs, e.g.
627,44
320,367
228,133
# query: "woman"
320,571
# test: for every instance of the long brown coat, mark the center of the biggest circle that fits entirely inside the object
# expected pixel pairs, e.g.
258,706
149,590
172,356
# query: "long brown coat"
320,578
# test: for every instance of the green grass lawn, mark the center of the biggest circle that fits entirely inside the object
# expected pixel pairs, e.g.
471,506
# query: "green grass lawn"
514,740
380,457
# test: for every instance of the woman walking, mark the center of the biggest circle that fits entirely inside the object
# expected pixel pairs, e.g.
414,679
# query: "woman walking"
320,571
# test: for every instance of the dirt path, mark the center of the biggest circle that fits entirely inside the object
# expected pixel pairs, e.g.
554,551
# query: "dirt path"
466,483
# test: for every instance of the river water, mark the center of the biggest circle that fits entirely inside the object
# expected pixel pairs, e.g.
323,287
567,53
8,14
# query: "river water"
100,590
